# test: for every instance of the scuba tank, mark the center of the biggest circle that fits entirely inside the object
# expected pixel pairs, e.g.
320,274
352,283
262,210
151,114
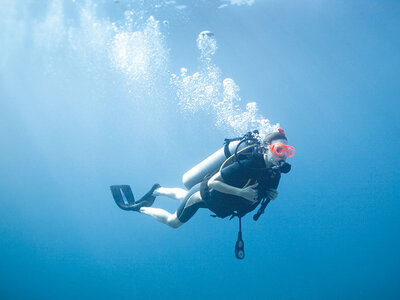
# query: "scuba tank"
212,163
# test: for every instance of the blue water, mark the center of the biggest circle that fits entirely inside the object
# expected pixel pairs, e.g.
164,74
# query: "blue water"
92,94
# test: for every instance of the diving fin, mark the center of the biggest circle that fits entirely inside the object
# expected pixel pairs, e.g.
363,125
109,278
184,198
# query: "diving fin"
123,196
148,199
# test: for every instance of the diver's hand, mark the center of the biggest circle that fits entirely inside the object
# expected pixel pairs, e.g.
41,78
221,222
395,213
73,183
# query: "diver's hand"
272,194
250,193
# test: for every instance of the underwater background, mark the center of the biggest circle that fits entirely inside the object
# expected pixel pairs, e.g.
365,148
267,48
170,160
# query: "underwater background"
95,93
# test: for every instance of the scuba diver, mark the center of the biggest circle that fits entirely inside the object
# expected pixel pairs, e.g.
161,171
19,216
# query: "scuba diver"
231,182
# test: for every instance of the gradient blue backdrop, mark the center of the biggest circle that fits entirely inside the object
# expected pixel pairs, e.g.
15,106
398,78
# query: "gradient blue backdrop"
328,71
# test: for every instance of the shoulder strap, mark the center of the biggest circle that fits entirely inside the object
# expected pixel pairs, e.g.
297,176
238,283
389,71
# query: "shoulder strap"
226,150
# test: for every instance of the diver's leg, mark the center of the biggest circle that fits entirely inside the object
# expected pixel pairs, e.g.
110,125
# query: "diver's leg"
189,207
186,210
174,193
162,216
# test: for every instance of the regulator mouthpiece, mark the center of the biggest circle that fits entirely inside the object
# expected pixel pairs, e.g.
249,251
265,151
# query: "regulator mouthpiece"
283,167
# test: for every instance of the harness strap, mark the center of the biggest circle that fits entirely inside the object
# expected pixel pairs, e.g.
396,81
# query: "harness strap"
226,150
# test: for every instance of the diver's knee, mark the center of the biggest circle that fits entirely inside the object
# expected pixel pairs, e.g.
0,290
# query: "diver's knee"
175,225
174,222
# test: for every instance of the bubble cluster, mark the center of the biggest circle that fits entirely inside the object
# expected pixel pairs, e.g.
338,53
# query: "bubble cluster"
207,44
135,47
140,55
206,90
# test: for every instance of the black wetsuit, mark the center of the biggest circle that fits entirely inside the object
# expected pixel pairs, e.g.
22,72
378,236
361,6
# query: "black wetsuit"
250,171
190,205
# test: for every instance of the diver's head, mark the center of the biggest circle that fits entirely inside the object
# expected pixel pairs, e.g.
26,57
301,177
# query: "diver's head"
276,148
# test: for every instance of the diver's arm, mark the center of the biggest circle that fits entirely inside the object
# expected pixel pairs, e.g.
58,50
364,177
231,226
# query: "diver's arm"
249,193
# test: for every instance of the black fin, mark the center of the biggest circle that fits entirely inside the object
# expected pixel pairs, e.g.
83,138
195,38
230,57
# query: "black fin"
123,196
148,199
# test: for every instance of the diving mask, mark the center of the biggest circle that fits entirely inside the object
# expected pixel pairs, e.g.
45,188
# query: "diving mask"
282,149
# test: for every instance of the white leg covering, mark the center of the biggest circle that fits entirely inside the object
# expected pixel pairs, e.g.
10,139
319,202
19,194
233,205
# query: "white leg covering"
162,216
174,193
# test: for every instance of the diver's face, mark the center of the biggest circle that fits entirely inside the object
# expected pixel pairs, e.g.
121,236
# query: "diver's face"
271,158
